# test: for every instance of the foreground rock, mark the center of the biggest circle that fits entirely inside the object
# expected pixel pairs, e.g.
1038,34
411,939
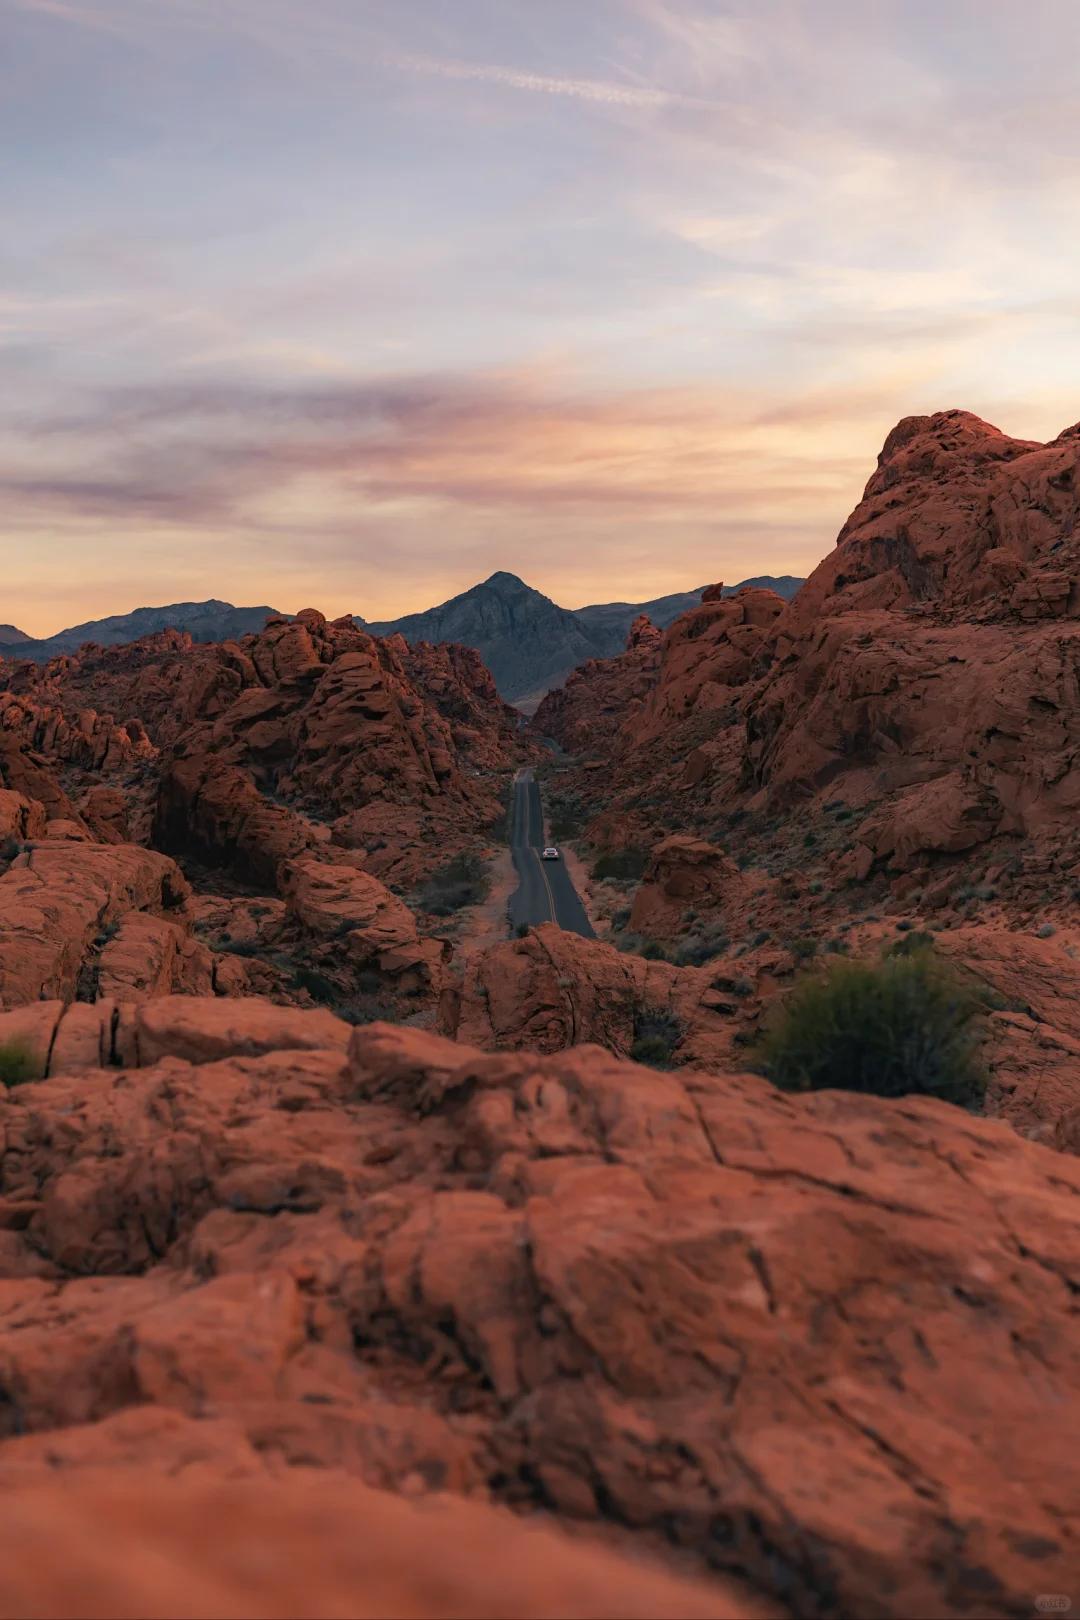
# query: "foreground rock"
828,1343
316,1546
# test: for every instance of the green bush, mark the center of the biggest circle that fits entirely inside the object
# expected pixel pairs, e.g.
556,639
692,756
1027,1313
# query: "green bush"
702,948
910,944
891,1028
17,1064
628,865
317,985
462,882
651,1050
656,1035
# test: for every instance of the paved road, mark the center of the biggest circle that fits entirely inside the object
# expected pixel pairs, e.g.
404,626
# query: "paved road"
546,893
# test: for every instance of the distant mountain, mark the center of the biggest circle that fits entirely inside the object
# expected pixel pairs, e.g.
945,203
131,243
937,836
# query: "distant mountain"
206,621
526,641
529,643
608,623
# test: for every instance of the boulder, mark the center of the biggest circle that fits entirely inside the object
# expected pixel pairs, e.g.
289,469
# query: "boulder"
683,873
55,902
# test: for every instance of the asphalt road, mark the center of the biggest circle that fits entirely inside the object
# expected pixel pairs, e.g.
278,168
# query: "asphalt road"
546,892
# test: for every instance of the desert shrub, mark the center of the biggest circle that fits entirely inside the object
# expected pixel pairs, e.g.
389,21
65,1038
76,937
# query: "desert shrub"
1047,931
463,881
9,849
564,828
368,1010
522,930
803,949
628,865
696,952
17,1064
907,943
656,1035
241,947
318,987
653,951
894,1027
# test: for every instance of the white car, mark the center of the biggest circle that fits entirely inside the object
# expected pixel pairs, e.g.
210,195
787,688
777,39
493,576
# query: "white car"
549,854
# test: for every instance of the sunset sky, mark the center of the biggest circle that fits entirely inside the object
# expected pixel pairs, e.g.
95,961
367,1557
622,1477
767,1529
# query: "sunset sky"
349,303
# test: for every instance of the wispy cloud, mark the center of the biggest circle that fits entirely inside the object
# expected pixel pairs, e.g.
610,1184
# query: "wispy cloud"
621,95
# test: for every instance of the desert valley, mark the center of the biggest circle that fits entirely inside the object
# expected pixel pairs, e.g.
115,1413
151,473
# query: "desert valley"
339,1185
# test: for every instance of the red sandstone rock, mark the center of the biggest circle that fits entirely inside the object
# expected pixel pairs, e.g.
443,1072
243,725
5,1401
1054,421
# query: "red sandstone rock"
554,990
316,1547
568,1281
685,872
20,817
56,899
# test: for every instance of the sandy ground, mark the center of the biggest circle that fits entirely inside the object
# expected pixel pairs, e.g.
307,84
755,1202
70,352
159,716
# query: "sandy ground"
488,924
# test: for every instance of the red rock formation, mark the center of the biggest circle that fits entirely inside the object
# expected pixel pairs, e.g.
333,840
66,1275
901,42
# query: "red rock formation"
585,714
553,990
249,739
827,1343
682,873
224,1541
929,647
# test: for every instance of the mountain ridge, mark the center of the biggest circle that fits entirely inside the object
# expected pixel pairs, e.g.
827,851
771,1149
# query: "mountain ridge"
528,642
207,621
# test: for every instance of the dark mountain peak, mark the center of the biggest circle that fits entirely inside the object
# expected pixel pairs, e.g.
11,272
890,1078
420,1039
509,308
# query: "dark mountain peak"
508,584
528,642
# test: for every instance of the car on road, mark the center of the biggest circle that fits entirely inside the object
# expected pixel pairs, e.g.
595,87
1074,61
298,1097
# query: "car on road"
549,854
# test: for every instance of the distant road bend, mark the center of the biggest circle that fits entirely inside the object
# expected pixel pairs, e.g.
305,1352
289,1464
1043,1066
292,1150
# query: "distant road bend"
546,892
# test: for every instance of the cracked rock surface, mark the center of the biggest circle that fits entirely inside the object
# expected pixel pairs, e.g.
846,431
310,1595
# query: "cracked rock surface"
826,1346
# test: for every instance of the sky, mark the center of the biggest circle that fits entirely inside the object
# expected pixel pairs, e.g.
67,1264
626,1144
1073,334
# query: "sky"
350,303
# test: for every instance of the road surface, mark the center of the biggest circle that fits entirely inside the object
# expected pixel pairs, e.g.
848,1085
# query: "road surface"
546,893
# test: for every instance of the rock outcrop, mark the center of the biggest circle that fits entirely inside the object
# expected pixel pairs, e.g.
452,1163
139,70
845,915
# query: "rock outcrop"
216,1537
827,1344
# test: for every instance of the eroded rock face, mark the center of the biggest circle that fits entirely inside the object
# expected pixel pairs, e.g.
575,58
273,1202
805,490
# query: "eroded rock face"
941,623
586,713
567,1282
253,749
60,903
685,873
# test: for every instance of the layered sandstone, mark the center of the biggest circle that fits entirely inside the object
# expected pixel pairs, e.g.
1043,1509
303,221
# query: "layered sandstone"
826,1343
